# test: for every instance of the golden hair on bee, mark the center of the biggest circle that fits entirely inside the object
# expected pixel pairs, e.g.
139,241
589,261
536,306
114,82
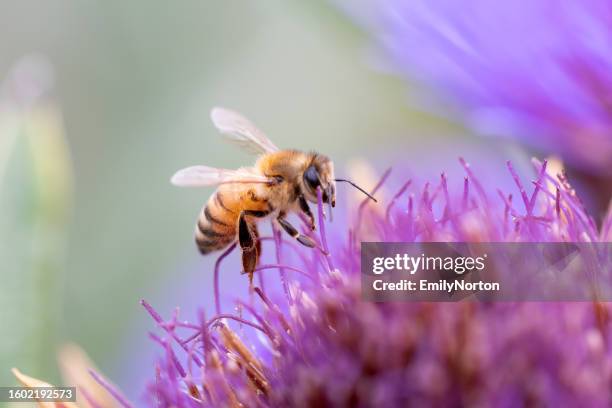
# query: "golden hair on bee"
280,182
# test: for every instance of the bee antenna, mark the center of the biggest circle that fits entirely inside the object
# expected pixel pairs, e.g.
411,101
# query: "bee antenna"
370,196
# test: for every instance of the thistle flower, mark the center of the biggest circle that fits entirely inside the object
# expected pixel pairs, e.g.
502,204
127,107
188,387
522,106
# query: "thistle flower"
315,342
533,70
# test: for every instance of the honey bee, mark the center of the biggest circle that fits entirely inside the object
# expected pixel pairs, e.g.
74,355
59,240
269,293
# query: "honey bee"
280,182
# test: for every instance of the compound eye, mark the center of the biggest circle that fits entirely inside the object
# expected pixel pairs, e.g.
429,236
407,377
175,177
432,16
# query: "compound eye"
311,176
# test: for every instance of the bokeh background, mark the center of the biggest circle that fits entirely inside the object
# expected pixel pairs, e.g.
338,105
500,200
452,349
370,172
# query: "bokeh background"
101,102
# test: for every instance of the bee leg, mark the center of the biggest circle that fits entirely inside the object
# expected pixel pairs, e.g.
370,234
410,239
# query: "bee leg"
306,210
291,230
248,237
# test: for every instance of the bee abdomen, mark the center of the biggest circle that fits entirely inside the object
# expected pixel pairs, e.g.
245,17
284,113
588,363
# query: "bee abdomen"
213,233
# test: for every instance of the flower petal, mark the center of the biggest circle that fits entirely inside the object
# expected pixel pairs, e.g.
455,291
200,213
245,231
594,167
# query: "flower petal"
32,382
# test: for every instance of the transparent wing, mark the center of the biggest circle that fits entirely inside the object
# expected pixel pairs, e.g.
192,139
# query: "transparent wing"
200,176
242,131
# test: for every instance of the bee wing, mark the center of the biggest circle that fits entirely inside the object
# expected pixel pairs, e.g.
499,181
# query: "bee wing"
241,130
200,176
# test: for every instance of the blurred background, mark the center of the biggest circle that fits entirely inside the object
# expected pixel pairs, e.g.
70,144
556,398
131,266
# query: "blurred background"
101,102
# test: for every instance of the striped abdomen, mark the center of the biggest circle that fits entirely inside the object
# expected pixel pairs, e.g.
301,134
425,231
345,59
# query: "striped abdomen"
217,224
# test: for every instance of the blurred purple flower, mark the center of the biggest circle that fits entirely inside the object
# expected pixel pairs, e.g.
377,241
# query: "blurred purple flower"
316,343
536,70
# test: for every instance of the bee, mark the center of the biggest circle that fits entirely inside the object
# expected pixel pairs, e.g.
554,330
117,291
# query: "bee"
280,182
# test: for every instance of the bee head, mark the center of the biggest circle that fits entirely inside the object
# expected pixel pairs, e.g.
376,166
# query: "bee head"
320,173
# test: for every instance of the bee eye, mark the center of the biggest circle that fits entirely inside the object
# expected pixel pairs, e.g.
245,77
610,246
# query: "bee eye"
311,177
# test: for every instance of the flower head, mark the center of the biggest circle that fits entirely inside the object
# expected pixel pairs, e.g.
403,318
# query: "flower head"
534,70
317,343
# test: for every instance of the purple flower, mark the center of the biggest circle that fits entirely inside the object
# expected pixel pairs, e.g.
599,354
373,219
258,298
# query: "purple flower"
534,70
312,340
